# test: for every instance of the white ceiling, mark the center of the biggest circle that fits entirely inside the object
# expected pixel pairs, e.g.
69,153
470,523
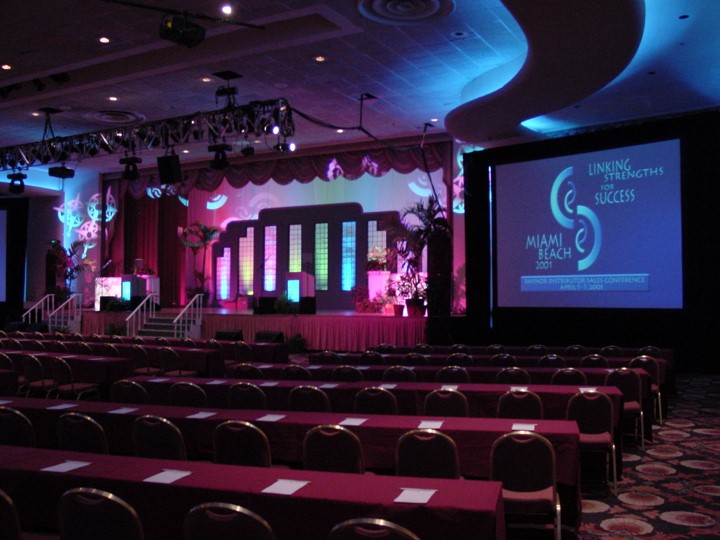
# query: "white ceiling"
481,67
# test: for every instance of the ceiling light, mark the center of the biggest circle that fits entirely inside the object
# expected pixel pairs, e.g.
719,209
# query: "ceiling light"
131,167
6,67
181,31
17,182
319,58
104,40
227,9
220,160
112,98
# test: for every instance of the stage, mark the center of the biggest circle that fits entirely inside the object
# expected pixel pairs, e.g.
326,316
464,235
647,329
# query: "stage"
336,331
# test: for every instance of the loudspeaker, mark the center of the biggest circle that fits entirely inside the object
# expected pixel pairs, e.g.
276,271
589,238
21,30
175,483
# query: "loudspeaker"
106,302
229,335
41,326
307,305
269,337
169,169
14,326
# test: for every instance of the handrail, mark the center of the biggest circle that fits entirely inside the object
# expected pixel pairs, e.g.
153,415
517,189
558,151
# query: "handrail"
44,307
68,311
190,315
140,315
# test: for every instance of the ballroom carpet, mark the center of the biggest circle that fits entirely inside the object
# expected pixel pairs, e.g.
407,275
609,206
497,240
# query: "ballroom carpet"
671,490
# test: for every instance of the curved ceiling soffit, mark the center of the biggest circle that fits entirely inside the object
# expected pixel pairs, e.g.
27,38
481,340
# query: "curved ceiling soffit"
574,49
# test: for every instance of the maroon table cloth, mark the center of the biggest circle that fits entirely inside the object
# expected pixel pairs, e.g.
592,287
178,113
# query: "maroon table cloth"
92,368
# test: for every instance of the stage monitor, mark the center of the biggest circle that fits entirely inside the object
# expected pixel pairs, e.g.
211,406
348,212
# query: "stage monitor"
600,229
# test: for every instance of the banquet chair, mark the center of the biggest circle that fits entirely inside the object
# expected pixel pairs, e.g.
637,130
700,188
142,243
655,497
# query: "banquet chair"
94,338
576,350
14,381
422,348
90,514
568,376
161,341
81,347
612,351
332,448
55,346
375,400
364,528
105,349
512,375
442,402
520,404
80,433
372,358
245,370
551,360
65,386
156,437
172,364
308,398
329,357
650,364
536,350
141,363
187,341
293,372
36,383
237,442
629,383
459,359
9,519
593,412
187,394
594,361
452,374
12,344
495,348
33,345
649,350
242,352
385,348
427,453
414,359
126,391
16,429
459,348
503,360
224,521
245,395
524,461
346,374
399,374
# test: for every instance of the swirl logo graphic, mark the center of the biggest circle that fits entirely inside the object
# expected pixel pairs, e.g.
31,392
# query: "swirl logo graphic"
581,219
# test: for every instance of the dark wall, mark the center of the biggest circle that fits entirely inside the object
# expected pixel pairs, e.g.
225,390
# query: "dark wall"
691,331
17,210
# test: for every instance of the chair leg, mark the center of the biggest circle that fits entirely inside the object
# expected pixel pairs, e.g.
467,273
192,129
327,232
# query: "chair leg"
642,430
558,522
658,403
613,456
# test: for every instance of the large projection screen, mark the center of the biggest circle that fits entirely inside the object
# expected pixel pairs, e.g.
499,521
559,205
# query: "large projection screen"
593,230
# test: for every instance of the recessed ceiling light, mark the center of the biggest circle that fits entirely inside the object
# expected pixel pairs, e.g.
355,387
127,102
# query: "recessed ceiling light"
6,67
104,40
186,151
35,113
113,98
206,79
227,9
341,131
320,58
433,120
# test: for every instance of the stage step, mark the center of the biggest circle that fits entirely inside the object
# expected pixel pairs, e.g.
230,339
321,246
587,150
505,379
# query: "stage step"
159,327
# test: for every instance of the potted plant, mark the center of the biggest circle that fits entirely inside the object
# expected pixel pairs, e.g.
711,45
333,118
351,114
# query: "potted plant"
197,237
392,296
64,266
412,287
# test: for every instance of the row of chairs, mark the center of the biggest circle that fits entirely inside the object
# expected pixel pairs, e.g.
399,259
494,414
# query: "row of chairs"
88,514
537,349
34,381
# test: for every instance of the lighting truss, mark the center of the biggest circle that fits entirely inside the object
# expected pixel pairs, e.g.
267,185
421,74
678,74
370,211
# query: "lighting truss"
257,117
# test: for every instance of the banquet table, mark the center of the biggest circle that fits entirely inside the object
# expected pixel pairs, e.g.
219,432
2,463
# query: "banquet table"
163,491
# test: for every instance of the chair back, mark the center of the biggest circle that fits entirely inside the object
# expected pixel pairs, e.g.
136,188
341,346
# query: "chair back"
242,352
459,359
6,363
576,350
520,404
245,395
612,351
594,360
346,374
495,348
246,371
649,364
364,528
308,398
218,520
80,433
62,374
628,382
156,437
441,402
372,358
9,520
236,442
568,376
55,346
649,350
385,348
399,374
536,350
35,379
593,412
375,400
329,357
459,348
414,359
503,360
139,356
512,375
427,453
523,461
126,391
187,394
16,429
170,361
422,348
453,374
88,514
332,448
294,372
551,360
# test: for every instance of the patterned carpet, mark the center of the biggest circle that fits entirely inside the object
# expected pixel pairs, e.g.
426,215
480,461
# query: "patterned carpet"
671,490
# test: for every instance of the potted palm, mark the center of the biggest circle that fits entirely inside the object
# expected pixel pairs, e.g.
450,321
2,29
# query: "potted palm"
198,237
64,266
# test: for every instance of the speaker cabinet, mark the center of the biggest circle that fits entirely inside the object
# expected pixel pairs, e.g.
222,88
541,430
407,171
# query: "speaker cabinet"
229,335
269,337
169,169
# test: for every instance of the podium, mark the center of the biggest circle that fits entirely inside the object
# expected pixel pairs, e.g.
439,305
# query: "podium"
126,288
300,287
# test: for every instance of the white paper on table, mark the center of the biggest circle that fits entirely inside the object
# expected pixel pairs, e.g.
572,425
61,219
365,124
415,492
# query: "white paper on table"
269,383
449,387
123,410
430,424
362,367
265,366
587,389
389,386
62,406
518,388
66,466
353,421
271,418
5,401
167,476
285,487
523,427
329,385
159,379
314,367
415,495
202,414
217,381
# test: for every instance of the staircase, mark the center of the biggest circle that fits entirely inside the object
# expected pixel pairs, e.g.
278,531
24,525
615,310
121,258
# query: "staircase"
65,318
144,321
163,327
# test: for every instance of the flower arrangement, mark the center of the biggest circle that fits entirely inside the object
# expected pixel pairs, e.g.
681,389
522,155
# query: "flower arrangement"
378,258
412,285
198,236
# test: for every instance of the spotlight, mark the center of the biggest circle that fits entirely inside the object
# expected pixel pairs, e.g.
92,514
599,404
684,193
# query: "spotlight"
17,182
285,147
220,160
131,170
181,31
61,172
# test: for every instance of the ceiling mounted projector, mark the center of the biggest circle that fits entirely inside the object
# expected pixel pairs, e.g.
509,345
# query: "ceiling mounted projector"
181,31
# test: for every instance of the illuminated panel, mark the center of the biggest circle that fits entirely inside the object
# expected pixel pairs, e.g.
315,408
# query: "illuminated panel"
270,283
295,249
223,274
246,262
349,248
293,290
376,238
321,256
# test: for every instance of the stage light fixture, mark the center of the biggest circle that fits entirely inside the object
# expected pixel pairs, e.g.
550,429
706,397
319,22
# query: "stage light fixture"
131,167
219,161
61,172
285,146
181,31
17,182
